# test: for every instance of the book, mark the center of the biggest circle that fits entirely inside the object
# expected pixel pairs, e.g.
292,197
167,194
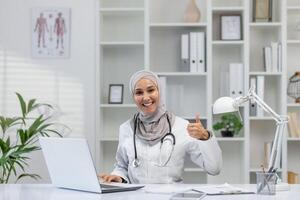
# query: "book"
293,178
267,153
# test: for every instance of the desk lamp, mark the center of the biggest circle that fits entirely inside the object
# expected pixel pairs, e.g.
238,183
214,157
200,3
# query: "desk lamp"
228,104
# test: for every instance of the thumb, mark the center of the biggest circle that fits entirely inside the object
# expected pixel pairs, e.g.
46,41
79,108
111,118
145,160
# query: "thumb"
197,118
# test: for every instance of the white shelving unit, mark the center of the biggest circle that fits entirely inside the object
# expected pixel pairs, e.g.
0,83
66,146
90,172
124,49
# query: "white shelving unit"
292,27
145,34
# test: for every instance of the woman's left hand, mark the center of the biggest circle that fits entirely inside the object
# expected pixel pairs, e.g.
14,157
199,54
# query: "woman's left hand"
196,130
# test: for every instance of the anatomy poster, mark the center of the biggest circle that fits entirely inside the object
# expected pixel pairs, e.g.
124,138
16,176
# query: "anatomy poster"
50,32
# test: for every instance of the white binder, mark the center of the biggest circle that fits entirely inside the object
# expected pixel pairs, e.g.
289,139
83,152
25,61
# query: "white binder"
260,92
185,60
163,84
236,82
193,52
253,105
274,47
201,52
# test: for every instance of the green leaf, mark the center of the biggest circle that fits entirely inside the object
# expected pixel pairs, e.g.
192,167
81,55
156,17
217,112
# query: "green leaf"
22,104
31,105
33,176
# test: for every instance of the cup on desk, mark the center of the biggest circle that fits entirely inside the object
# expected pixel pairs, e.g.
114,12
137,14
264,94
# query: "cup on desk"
266,183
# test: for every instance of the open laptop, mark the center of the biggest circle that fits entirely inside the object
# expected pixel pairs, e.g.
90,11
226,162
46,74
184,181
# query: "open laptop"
70,166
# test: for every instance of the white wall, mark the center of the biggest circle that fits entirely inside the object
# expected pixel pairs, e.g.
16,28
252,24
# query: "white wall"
69,83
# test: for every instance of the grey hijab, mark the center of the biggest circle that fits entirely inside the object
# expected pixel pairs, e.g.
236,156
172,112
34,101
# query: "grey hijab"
150,128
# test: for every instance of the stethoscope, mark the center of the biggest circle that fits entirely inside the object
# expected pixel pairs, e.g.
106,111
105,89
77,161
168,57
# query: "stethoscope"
169,136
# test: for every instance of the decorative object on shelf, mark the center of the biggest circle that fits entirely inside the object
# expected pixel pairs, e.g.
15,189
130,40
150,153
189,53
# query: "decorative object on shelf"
262,10
50,32
294,87
18,138
231,27
229,125
115,95
192,13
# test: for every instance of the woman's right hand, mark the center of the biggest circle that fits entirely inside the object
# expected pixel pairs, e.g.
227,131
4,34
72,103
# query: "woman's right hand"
110,178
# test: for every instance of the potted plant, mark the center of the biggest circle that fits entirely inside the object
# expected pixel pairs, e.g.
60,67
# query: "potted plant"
18,136
229,125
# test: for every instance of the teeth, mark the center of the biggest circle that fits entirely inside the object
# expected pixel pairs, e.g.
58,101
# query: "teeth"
147,104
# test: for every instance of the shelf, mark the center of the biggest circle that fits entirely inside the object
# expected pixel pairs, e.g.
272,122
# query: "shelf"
118,10
232,139
222,42
265,24
180,74
260,169
261,118
123,43
297,105
117,105
293,8
265,73
219,9
166,25
290,139
109,139
293,41
193,169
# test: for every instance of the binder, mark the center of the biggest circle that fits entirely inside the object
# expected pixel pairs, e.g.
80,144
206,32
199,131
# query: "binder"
236,79
193,52
224,81
163,84
201,52
185,60
268,58
279,57
260,92
253,105
274,48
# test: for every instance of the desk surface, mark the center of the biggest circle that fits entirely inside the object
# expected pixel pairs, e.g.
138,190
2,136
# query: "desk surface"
48,192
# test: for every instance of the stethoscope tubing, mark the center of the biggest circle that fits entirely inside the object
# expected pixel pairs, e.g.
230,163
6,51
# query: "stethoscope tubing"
136,161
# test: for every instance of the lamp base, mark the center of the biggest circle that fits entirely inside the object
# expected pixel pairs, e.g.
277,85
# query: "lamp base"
282,187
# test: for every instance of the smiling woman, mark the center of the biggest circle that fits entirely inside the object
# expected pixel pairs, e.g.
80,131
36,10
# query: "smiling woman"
154,142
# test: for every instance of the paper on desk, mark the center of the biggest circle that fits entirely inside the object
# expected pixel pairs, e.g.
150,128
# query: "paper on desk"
166,188
220,189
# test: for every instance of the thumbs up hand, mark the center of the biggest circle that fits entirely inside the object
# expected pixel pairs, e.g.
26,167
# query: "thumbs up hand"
196,130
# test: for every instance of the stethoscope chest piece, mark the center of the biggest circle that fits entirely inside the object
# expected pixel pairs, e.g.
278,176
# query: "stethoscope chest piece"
136,163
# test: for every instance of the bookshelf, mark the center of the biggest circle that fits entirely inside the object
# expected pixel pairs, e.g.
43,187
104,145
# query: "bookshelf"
145,34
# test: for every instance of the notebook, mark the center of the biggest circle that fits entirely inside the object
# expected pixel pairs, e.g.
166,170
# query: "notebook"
70,166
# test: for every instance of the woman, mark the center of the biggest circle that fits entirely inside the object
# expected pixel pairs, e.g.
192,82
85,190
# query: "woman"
153,143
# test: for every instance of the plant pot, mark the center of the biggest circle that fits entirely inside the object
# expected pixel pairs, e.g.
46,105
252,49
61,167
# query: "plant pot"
227,133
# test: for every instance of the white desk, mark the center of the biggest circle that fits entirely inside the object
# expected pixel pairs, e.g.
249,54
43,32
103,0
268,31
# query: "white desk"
48,192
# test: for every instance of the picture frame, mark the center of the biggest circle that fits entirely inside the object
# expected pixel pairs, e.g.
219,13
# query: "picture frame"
231,27
262,10
115,94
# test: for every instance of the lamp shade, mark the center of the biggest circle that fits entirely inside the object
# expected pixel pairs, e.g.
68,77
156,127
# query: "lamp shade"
224,105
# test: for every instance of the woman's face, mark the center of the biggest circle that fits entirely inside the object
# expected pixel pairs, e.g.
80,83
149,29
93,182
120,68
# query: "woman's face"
146,96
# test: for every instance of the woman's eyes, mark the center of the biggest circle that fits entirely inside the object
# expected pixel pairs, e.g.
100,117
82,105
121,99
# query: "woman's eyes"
151,90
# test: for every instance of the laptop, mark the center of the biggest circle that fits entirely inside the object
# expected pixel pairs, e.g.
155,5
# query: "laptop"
70,166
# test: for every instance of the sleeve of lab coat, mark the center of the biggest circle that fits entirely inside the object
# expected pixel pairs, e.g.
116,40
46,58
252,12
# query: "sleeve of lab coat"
121,165
206,154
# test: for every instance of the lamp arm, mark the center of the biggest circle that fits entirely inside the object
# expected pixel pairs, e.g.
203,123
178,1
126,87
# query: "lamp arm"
281,122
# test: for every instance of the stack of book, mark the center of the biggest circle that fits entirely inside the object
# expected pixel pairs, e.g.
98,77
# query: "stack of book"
293,125
193,52
273,57
258,82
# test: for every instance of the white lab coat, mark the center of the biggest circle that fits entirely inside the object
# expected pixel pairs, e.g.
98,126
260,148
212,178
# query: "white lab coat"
206,154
